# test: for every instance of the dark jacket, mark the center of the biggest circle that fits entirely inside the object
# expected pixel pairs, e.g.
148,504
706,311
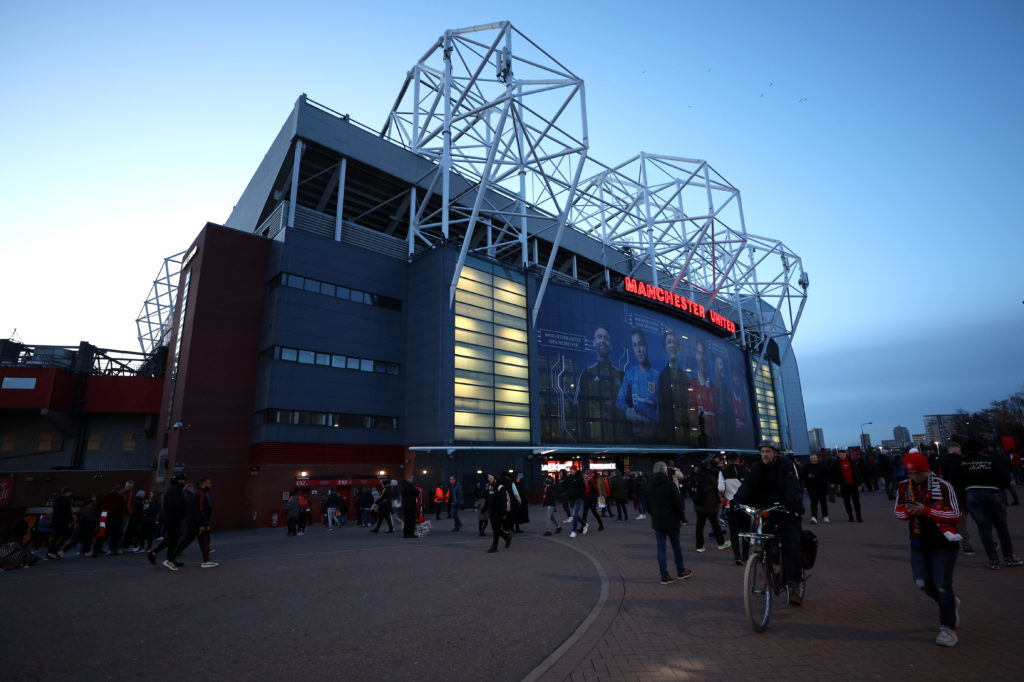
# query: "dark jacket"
199,510
174,506
576,487
62,514
499,501
619,487
767,485
705,491
664,503
814,476
982,471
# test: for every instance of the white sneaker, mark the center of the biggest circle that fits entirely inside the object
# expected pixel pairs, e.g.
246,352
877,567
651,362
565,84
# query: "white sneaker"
946,637
826,520
568,519
701,549
170,565
586,528
572,534
209,564
725,545
814,520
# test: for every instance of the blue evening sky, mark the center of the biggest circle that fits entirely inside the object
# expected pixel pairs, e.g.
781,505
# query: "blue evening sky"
881,141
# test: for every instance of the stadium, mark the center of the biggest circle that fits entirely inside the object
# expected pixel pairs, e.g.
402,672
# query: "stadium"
462,289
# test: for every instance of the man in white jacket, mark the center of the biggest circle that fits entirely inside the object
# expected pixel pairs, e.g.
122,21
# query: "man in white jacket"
730,476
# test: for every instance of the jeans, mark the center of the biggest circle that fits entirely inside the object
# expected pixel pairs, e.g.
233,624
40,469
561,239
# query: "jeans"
988,509
933,574
620,510
577,511
677,550
455,516
331,512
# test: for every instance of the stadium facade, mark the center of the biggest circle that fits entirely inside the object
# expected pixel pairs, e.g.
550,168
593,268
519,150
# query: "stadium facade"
467,290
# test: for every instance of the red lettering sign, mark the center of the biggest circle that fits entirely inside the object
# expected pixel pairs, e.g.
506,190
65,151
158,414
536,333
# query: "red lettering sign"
638,288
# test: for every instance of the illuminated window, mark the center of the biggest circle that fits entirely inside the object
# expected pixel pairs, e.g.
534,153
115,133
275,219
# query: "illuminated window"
94,442
128,444
491,362
764,398
7,443
46,441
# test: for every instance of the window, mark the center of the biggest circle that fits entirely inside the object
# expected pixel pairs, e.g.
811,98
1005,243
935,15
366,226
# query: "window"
18,383
94,442
7,442
315,286
128,444
289,354
306,357
491,360
46,441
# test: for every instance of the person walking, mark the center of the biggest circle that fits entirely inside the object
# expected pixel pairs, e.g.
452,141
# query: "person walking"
499,506
63,516
666,507
706,503
197,526
384,506
983,480
929,505
815,480
173,516
549,502
730,477
847,476
619,490
456,501
333,501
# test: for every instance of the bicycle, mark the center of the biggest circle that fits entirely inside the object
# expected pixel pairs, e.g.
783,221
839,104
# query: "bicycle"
762,576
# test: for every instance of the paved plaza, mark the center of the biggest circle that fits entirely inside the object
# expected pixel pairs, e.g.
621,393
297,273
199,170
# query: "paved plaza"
352,605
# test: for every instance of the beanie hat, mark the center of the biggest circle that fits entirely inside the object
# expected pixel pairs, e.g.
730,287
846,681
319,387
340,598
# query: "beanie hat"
915,461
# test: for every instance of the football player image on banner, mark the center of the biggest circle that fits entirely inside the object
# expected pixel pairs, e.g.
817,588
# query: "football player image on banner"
620,374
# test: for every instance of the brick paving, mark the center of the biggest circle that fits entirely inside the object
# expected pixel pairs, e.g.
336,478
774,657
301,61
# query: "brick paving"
863,618
352,604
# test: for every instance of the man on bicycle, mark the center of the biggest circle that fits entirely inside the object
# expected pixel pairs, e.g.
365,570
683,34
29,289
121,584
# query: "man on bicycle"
774,480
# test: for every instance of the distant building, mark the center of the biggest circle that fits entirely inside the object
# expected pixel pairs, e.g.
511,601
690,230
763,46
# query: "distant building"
891,445
865,442
816,438
939,428
901,434
918,440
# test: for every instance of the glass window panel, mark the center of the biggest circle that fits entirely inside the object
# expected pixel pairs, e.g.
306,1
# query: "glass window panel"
512,359
393,369
474,338
472,364
509,297
475,275
508,321
514,346
511,371
313,286
472,405
510,422
504,285
511,396
342,292
473,312
510,436
509,309
466,433
323,359
353,363
289,354
512,334
307,357
296,281
474,351
338,361
476,378
511,382
472,299
327,289
366,365
474,419
462,322
474,287
512,408
473,391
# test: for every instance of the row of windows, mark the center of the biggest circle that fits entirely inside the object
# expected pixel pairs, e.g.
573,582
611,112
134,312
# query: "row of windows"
311,357
49,441
333,419
315,286
764,397
492,369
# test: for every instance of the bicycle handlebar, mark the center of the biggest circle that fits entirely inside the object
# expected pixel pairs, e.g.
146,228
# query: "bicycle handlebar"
764,511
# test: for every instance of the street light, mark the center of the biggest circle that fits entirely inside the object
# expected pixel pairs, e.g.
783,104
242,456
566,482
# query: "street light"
862,427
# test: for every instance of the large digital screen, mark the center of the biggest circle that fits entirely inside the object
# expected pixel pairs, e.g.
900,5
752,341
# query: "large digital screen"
613,373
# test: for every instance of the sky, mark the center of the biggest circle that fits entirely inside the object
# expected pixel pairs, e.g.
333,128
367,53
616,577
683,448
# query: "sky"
879,141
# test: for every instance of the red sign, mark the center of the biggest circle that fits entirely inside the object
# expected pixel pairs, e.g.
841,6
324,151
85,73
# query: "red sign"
638,288
331,482
6,490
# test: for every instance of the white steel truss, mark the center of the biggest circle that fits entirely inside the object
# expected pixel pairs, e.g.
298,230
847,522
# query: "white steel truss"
490,105
157,314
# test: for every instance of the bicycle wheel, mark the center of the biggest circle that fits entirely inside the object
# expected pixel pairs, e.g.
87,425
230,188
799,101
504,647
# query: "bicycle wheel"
757,591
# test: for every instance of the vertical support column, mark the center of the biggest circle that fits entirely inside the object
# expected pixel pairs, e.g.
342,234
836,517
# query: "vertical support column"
341,198
446,135
413,227
293,197
647,219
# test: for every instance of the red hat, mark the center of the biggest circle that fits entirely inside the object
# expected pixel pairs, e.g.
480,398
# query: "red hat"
915,461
